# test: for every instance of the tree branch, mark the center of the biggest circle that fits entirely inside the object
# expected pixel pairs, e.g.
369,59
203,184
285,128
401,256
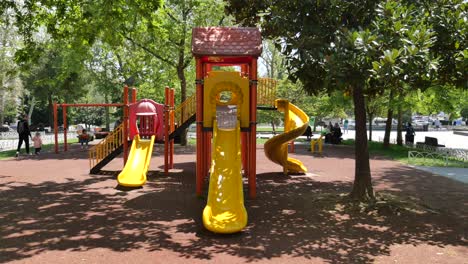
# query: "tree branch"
159,57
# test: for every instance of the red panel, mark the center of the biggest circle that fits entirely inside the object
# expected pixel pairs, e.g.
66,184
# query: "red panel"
227,61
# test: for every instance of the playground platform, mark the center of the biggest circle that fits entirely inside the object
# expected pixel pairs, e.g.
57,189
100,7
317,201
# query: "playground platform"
52,211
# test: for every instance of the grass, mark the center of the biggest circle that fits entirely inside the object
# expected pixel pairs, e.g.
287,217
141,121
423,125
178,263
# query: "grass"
269,129
46,147
400,153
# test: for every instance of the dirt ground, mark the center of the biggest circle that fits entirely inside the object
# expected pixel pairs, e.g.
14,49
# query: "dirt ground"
52,211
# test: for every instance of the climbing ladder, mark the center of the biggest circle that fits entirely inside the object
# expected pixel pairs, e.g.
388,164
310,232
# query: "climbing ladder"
184,115
106,150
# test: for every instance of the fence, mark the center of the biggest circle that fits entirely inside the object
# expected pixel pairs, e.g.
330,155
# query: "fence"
427,155
459,154
9,140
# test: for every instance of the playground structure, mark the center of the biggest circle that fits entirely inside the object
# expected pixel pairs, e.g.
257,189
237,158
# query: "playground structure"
295,124
224,108
146,125
118,141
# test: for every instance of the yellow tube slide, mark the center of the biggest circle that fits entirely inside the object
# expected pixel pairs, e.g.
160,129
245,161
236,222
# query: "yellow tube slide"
225,211
295,124
134,172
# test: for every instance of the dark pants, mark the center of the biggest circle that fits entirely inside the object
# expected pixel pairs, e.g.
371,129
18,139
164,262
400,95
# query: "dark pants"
37,150
409,139
24,138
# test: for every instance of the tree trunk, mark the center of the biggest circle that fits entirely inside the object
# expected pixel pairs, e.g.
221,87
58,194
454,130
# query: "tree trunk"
371,117
181,65
51,112
362,187
399,126
31,108
388,124
106,99
273,127
2,105
183,97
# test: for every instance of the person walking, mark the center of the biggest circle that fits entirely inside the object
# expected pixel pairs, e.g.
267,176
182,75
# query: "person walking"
24,134
345,126
409,136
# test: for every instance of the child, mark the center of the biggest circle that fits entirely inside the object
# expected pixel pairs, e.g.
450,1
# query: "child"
37,143
84,138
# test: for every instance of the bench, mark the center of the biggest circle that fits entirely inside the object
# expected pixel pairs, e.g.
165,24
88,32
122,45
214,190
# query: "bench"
430,141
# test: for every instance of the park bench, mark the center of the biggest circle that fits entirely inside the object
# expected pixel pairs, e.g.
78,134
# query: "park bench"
430,141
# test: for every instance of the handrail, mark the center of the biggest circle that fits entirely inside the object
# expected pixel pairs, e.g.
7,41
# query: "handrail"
266,91
185,110
110,143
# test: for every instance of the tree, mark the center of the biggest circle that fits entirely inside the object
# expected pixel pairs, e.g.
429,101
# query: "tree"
167,35
54,76
9,82
406,62
327,47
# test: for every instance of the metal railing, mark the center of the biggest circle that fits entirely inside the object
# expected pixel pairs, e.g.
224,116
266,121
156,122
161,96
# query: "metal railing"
459,154
427,155
110,143
266,91
10,141
185,110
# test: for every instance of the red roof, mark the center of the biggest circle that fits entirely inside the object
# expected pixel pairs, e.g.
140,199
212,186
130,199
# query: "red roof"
226,41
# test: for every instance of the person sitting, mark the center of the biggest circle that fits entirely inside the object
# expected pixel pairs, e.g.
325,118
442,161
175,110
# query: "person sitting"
336,134
326,133
308,133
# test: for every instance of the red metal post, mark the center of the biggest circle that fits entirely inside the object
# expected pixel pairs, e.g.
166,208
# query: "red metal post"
172,127
64,115
244,137
208,67
166,130
199,120
134,95
125,124
56,128
244,70
253,129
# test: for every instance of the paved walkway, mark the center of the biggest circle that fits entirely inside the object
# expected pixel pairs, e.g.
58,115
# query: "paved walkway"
446,138
459,174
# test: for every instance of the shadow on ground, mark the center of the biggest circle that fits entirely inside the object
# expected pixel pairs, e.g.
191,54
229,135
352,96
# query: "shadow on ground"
293,215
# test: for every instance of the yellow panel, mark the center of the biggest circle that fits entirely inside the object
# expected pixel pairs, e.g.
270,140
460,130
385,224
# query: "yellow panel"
219,81
225,211
134,172
295,124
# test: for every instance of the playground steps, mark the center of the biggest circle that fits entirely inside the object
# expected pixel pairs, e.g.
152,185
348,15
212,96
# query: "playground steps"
106,150
178,130
97,168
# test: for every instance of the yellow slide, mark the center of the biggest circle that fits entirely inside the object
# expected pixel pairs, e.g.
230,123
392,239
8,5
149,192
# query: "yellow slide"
134,172
295,124
225,211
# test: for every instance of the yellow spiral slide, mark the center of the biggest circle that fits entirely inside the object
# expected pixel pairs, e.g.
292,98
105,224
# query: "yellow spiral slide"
225,211
295,124
134,172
